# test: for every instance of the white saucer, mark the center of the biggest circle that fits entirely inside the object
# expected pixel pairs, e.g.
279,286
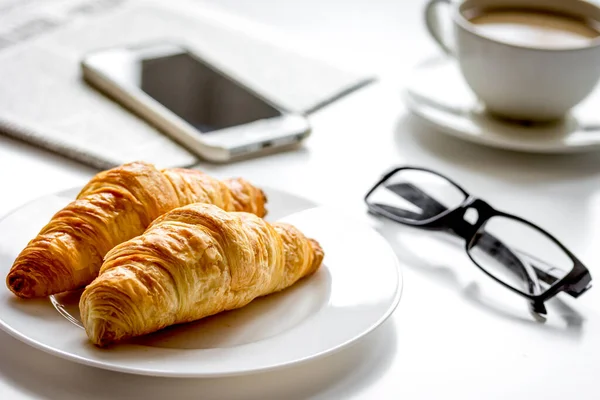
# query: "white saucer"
437,93
355,290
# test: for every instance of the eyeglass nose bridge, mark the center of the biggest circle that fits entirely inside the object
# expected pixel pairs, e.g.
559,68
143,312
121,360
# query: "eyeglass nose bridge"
464,226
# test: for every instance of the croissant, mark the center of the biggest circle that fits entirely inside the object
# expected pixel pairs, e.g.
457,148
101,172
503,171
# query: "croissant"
115,206
192,262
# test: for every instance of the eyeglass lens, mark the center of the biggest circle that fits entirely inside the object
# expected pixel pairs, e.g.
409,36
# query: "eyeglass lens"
505,246
415,195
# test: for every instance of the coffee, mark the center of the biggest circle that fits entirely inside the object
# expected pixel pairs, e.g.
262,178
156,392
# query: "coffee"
534,28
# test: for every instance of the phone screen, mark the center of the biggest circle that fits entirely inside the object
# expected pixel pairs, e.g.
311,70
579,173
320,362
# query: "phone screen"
195,92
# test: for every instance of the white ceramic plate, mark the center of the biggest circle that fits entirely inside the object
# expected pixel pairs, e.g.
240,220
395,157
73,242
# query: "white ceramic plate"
355,290
437,93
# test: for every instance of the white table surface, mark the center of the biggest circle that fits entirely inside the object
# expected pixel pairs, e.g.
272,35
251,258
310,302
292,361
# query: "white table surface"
455,334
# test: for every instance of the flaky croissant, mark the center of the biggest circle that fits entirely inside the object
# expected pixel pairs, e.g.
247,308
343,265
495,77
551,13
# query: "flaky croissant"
192,262
115,206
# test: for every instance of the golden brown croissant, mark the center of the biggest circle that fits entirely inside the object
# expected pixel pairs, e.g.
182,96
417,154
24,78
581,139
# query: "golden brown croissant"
192,262
115,206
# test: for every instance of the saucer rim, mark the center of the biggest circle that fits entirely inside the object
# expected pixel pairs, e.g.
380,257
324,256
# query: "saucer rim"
415,106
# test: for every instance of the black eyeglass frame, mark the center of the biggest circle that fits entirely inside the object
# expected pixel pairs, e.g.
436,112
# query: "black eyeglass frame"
574,283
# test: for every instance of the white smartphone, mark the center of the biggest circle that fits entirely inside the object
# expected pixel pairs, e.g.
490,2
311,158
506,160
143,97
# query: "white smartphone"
208,111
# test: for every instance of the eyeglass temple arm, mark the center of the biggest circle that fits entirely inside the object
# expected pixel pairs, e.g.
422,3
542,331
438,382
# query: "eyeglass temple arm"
486,242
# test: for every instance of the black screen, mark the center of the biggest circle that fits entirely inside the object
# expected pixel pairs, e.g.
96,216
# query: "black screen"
195,92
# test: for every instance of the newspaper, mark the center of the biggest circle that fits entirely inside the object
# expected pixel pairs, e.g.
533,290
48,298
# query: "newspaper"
44,101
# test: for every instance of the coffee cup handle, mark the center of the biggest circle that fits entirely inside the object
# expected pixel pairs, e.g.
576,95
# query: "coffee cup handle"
432,22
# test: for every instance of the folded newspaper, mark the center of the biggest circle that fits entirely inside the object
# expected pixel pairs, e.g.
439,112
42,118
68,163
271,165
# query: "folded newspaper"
45,102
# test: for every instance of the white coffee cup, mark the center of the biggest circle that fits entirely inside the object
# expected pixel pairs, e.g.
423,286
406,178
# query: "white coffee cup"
520,82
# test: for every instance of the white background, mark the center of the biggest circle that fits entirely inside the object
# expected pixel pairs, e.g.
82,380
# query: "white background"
455,334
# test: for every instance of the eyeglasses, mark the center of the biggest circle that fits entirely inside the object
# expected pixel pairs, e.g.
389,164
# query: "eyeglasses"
516,253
